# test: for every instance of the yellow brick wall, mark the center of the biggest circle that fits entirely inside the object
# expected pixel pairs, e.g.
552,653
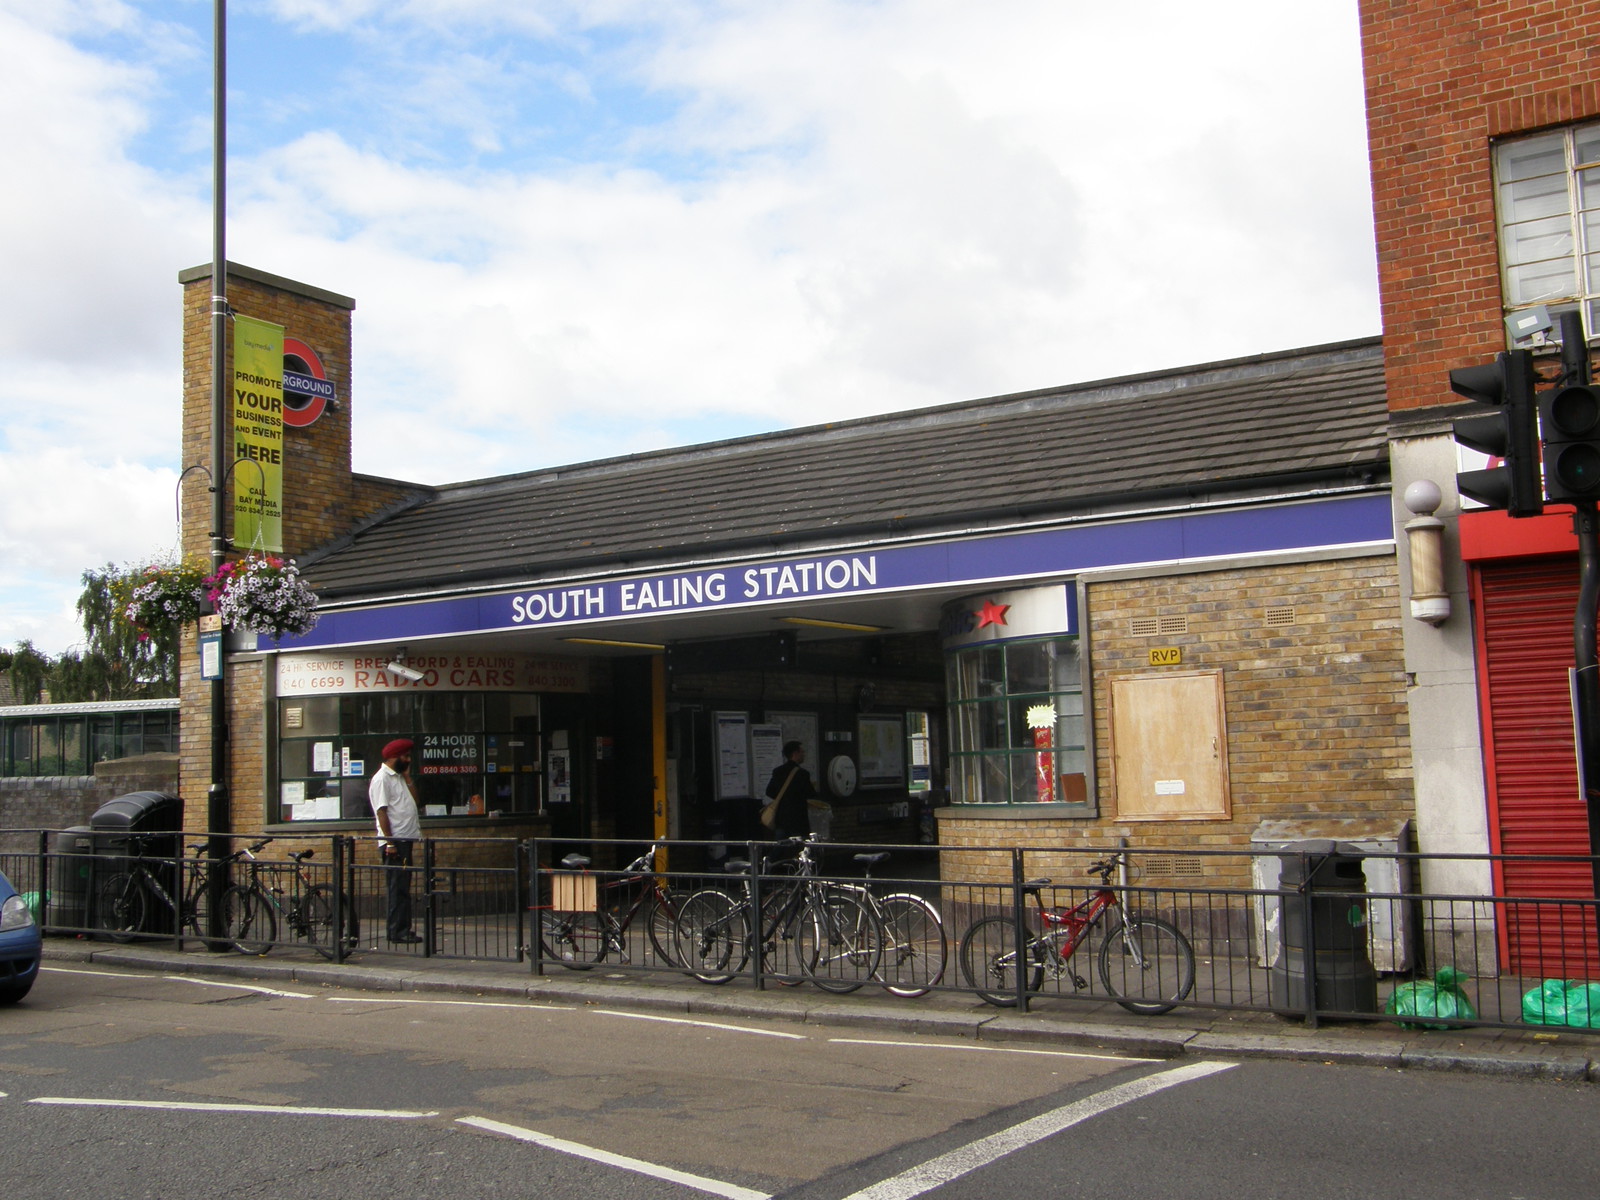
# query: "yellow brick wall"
1315,710
322,499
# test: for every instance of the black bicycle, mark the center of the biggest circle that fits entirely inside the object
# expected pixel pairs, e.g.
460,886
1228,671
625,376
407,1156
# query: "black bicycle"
126,899
306,908
588,920
809,928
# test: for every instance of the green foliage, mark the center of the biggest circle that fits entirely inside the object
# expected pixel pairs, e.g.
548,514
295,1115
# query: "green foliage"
121,661
29,672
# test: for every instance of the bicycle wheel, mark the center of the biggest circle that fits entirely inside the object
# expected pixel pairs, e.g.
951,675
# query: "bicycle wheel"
712,936
990,960
121,903
316,915
914,946
841,943
786,957
661,921
248,921
1147,965
576,940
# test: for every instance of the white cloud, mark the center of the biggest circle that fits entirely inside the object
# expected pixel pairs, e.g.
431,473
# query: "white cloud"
582,229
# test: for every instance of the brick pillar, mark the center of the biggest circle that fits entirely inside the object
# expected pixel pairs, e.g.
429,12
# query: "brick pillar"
320,502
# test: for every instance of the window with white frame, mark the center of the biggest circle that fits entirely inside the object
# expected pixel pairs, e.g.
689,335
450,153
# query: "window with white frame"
1547,201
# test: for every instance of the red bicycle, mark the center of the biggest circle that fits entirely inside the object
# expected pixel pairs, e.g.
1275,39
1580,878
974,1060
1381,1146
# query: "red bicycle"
1146,964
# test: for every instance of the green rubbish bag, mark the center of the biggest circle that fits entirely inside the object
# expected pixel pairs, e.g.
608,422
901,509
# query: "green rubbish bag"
1563,1002
1442,997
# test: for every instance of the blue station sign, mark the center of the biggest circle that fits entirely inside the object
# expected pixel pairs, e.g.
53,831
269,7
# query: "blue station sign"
980,562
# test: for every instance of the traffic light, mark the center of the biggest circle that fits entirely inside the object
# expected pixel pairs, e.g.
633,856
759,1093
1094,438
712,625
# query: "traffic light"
1570,417
1511,434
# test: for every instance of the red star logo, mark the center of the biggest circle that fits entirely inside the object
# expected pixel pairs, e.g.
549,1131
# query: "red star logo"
992,613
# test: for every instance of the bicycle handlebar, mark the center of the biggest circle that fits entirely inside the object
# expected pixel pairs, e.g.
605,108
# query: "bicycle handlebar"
1103,867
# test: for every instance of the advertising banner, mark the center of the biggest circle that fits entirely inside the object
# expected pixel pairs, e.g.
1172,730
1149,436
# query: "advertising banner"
257,435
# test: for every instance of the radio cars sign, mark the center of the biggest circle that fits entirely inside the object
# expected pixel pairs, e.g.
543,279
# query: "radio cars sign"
477,671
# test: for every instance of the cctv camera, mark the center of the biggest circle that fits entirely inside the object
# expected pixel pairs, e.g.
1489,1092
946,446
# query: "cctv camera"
401,671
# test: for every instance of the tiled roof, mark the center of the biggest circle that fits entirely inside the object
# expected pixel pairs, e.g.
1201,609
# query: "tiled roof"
1285,422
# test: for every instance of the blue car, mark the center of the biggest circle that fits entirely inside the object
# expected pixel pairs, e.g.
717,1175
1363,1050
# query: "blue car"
19,945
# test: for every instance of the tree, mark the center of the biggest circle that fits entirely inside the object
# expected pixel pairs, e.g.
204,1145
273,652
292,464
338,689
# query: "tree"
29,672
121,662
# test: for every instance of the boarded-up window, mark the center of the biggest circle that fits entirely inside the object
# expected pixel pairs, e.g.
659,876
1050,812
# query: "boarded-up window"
1169,745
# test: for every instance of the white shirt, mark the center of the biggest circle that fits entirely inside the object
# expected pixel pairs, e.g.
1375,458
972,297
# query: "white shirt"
390,790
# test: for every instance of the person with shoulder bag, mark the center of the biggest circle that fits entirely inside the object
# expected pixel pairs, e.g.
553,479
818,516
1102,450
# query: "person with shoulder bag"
786,812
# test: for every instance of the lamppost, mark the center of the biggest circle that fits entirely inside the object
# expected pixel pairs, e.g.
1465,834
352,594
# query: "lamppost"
219,818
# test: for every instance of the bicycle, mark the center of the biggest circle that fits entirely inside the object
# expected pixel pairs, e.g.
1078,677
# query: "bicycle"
810,929
1146,964
581,938
915,951
122,899
253,908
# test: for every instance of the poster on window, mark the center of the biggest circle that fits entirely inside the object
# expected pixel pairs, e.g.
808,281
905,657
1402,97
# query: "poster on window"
450,754
882,751
559,775
733,756
766,755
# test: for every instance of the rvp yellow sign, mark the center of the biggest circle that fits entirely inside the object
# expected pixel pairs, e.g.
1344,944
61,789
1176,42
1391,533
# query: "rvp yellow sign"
1166,656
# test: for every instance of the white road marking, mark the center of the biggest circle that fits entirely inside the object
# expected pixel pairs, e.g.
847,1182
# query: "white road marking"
389,1114
108,974
965,1159
243,987
454,1003
612,1012
977,1049
699,1182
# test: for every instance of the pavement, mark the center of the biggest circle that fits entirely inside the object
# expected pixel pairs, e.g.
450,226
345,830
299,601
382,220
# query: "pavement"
1057,1023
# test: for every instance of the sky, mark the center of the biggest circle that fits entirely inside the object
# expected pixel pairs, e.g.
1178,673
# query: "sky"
582,228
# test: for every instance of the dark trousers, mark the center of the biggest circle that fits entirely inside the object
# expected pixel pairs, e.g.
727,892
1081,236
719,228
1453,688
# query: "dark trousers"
398,863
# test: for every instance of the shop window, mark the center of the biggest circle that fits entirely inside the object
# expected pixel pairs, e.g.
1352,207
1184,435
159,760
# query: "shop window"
72,748
476,754
102,738
1018,731
20,754
1547,205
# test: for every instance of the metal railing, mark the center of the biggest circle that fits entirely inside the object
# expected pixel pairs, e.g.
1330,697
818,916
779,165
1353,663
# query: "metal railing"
1385,936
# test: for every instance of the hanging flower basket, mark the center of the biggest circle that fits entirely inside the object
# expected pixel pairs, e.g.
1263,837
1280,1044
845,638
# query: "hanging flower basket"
164,596
264,594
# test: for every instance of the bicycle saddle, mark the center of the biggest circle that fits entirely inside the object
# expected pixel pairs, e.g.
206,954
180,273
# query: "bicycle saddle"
574,862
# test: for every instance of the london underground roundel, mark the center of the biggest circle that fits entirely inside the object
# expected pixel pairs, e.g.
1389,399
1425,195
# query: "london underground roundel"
307,390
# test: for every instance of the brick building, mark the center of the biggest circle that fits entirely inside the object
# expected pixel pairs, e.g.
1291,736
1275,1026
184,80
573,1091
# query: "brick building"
1484,132
1163,607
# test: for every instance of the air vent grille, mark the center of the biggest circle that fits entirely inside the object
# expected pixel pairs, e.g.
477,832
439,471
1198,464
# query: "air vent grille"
1158,626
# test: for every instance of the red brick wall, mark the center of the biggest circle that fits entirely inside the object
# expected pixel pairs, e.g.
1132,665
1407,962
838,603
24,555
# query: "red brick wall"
1443,78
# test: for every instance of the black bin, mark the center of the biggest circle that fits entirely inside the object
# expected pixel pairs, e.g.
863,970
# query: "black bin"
71,875
151,819
1325,880
146,825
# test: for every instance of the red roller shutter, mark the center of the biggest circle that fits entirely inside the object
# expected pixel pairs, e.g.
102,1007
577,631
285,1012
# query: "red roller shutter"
1525,612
